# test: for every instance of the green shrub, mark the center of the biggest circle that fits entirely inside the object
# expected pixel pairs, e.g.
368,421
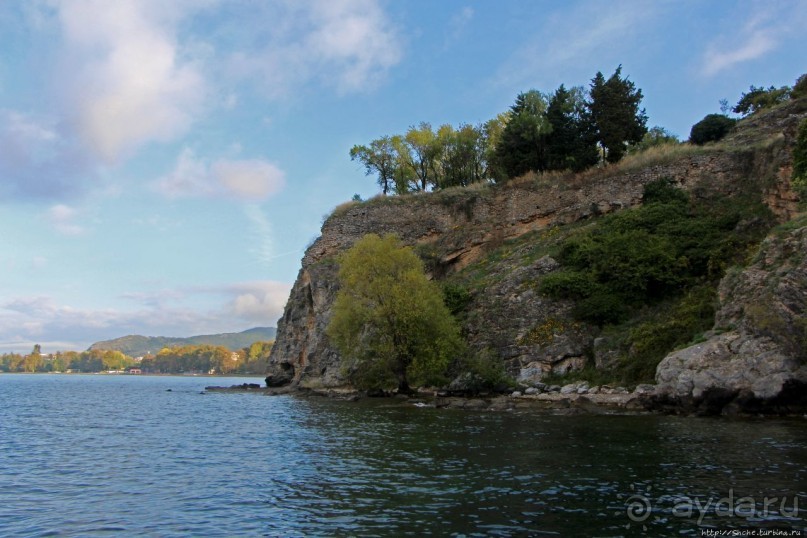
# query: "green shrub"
652,253
456,297
711,129
799,88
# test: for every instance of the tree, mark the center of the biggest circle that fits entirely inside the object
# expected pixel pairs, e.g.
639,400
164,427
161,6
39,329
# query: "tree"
656,136
614,109
711,128
522,146
492,132
425,152
379,158
389,321
758,98
570,145
462,155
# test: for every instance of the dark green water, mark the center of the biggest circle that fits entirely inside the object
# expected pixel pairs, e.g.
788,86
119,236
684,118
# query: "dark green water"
108,455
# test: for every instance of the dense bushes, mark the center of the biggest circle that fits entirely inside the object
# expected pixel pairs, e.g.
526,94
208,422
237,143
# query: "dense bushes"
648,254
711,129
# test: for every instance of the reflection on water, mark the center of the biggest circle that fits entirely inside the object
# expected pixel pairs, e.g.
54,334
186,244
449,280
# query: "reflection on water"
122,455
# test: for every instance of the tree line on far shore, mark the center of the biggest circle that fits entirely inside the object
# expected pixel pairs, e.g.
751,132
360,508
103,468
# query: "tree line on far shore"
205,359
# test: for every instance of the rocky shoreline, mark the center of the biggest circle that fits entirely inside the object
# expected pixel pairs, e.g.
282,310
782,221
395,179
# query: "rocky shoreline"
574,398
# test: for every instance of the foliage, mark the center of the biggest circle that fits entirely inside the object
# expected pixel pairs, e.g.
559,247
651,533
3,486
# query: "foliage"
482,371
523,143
538,133
711,128
656,136
615,113
456,297
378,157
94,360
648,254
799,176
799,88
571,144
758,98
389,321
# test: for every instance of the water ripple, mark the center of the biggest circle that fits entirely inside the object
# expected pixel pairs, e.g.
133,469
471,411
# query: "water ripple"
115,455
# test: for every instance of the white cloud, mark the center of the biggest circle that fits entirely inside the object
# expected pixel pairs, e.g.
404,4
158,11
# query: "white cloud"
252,179
28,320
62,217
246,179
130,84
261,302
345,44
756,38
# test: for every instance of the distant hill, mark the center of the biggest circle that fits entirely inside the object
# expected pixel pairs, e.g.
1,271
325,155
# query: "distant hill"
135,345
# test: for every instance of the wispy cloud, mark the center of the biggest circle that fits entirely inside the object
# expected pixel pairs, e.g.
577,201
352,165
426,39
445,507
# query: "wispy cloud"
458,23
63,219
572,37
244,179
264,249
765,30
37,159
347,45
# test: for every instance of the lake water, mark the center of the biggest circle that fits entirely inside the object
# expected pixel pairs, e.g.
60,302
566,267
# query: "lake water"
123,455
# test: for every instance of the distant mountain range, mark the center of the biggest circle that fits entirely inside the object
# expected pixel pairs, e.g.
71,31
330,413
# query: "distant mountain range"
135,345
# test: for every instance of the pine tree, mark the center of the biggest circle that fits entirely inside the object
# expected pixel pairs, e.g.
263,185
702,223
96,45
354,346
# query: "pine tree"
571,144
523,142
614,109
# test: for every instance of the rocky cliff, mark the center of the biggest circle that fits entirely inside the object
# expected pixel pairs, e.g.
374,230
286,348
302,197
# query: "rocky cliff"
477,231
756,358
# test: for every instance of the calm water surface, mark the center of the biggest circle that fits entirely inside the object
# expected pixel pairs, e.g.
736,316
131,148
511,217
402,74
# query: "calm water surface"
121,455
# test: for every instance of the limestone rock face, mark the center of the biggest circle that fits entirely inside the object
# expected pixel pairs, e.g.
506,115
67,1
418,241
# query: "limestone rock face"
761,358
456,229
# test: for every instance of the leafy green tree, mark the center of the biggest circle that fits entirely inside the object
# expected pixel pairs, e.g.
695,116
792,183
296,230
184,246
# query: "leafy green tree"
492,131
522,147
404,176
462,155
758,98
425,152
570,145
378,158
389,321
711,129
617,118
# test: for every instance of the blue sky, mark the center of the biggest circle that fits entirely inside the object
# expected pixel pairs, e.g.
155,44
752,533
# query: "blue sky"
163,165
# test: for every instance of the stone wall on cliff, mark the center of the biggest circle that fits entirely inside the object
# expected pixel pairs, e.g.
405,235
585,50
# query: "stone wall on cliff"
458,227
